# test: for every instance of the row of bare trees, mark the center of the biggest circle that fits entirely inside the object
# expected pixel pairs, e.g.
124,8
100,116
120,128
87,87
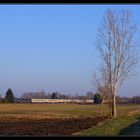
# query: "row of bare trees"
116,46
43,95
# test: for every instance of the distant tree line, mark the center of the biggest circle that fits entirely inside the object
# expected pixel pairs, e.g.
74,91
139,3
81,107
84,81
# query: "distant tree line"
55,95
10,98
89,95
134,99
98,98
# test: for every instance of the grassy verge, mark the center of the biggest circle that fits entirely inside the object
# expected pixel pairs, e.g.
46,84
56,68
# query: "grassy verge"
122,125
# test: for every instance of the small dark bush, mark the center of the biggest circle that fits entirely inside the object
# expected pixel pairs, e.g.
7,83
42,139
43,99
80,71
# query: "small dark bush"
97,98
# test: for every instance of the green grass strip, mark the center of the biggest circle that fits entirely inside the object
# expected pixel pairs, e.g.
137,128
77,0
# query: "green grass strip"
122,125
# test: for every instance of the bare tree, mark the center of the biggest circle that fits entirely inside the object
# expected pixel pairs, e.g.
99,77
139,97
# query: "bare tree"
38,95
115,42
89,95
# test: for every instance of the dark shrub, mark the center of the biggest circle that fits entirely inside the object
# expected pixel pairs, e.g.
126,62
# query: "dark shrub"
97,98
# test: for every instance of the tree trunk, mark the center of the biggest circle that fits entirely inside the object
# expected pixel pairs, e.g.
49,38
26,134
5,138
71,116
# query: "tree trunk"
114,111
101,109
101,106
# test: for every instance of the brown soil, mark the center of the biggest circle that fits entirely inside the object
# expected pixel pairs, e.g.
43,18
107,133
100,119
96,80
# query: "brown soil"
46,127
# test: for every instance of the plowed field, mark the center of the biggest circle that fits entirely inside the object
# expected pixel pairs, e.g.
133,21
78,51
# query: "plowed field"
46,127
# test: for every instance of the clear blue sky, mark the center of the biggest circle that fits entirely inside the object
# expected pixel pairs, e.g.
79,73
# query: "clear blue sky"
52,47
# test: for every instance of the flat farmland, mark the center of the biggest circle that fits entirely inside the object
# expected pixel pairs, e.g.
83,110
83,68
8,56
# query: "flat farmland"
39,111
54,119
